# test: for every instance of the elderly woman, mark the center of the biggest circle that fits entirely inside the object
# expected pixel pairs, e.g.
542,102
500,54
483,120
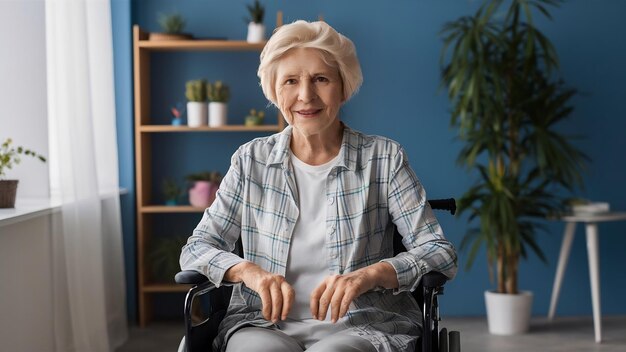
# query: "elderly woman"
315,206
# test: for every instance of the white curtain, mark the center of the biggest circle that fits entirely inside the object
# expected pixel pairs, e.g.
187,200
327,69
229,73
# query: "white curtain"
88,269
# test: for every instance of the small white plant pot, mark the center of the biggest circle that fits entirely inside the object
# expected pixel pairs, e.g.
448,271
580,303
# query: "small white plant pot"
508,314
197,114
217,114
256,32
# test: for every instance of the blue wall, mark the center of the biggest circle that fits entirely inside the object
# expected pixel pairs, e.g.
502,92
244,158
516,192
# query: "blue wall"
399,47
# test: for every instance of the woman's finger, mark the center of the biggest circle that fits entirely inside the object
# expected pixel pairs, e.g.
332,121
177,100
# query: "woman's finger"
266,301
324,301
348,296
277,299
288,298
314,301
335,302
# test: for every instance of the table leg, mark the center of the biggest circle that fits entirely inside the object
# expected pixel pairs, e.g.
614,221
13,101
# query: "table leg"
594,274
568,238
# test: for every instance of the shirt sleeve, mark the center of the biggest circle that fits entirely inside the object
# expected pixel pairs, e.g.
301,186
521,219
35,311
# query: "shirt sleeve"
209,248
428,249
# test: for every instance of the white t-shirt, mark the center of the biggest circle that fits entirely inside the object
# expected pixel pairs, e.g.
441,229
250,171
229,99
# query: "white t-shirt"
307,264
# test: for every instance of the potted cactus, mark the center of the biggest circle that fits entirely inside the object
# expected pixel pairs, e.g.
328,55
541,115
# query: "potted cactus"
9,157
218,94
172,25
255,118
197,114
256,28
203,188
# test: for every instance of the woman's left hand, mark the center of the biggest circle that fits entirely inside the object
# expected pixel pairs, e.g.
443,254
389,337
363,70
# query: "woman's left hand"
338,291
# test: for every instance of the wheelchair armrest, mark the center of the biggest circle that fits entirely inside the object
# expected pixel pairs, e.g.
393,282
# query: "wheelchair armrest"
190,277
434,279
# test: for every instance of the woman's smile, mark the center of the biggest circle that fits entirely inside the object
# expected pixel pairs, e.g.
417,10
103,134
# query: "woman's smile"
309,113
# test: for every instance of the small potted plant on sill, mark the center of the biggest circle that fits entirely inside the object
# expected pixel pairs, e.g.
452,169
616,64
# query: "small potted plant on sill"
10,156
218,94
256,28
197,114
172,25
255,118
171,191
203,188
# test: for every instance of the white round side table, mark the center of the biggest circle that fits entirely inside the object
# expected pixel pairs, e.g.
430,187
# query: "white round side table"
591,225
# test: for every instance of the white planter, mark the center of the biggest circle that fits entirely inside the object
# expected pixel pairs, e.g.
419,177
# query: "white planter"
197,114
508,314
256,32
217,114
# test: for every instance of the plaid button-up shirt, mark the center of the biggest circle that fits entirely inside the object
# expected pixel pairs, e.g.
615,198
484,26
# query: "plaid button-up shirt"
370,190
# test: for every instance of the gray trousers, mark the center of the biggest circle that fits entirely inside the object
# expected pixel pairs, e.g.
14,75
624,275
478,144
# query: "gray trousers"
273,340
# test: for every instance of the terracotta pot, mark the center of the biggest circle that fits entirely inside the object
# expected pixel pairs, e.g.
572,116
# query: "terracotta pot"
8,190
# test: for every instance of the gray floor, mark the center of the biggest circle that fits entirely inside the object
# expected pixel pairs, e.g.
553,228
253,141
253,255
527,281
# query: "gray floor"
563,334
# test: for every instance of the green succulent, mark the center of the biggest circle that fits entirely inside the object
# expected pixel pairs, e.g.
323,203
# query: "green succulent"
172,23
217,92
196,90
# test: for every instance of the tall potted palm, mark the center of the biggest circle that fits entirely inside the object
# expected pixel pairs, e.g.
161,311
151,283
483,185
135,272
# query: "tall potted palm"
499,71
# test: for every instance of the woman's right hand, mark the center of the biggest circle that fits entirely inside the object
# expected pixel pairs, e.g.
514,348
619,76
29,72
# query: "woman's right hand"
276,293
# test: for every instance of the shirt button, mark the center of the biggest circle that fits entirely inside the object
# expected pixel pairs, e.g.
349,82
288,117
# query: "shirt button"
334,255
331,200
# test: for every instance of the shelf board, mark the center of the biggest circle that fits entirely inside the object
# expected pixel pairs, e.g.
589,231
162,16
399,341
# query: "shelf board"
170,209
227,128
200,44
165,288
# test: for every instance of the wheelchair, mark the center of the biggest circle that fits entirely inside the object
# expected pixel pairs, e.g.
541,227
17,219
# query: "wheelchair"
200,332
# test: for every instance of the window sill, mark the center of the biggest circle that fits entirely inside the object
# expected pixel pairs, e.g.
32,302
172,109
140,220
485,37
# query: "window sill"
29,208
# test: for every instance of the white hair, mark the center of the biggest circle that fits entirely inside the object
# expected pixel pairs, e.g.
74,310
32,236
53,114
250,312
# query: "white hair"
337,51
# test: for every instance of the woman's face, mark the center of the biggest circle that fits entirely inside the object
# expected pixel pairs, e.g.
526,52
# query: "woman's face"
309,92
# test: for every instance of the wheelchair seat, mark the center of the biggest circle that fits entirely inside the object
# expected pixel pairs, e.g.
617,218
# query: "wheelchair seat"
199,335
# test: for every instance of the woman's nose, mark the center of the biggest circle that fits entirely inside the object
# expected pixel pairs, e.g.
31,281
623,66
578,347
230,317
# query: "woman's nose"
307,92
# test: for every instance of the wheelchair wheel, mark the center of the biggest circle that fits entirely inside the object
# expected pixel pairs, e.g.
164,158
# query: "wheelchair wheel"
182,347
443,340
455,341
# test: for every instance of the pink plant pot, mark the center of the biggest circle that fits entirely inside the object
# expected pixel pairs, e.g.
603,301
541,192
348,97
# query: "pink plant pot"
202,194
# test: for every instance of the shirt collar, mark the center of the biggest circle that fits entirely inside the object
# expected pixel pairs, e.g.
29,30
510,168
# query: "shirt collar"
348,152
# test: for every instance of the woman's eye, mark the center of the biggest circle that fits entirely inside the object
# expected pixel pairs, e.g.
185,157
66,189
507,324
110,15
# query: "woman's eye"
290,81
321,79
